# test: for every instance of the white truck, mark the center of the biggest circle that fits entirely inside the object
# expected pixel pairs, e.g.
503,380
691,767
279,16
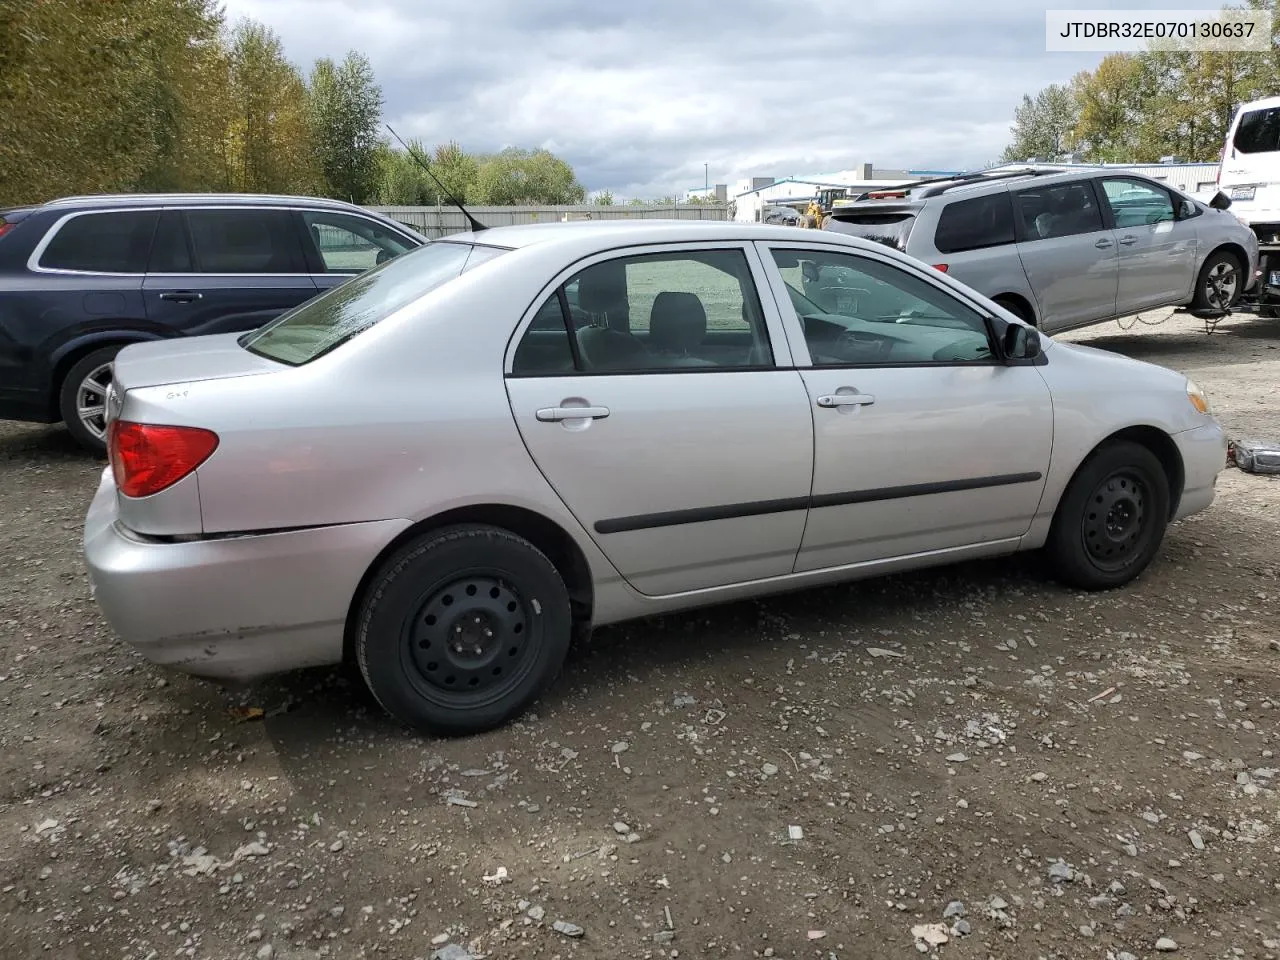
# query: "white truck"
1249,176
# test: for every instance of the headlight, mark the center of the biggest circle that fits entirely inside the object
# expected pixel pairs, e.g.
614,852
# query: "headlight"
1198,399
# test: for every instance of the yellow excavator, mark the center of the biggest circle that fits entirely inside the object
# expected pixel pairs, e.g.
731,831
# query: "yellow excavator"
820,207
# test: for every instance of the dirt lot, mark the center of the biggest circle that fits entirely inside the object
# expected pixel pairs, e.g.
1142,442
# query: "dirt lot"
1075,776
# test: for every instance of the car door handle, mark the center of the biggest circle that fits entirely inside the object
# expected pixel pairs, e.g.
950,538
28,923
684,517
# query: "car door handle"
1128,241
557,414
1103,244
182,296
846,400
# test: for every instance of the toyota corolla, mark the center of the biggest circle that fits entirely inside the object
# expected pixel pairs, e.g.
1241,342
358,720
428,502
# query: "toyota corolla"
448,467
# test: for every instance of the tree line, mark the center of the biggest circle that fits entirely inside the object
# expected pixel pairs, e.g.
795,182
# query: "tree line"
1140,107
107,96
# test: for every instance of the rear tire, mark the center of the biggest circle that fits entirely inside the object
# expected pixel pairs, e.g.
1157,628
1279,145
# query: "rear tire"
462,629
1111,519
1220,283
82,398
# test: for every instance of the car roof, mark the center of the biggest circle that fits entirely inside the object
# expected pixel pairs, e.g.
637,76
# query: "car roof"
606,234
108,200
924,190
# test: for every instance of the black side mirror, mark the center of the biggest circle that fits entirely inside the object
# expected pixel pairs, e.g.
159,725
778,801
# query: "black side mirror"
1021,343
1220,201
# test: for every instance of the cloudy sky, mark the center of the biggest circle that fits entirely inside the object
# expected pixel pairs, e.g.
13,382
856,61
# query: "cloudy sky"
638,94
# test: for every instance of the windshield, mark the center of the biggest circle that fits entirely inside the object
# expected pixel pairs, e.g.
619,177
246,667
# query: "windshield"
331,319
891,229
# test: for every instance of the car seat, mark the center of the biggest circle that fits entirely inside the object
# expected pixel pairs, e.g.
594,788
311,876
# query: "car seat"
677,327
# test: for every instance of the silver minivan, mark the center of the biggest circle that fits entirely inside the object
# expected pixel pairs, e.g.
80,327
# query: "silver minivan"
1062,248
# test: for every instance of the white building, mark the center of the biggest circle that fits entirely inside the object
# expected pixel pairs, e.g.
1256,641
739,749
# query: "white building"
750,196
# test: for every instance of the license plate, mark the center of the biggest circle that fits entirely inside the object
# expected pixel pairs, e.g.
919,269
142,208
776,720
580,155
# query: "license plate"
1275,278
1242,193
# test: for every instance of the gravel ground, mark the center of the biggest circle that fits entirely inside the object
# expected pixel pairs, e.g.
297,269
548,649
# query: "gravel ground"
972,754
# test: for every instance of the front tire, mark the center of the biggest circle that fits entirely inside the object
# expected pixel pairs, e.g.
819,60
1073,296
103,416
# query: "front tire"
1112,518
82,398
1220,283
462,629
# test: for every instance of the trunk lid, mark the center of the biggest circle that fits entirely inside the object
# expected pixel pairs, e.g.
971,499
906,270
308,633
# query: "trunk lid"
184,360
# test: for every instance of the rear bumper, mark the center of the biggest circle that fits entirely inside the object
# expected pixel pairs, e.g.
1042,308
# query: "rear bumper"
1204,456
232,609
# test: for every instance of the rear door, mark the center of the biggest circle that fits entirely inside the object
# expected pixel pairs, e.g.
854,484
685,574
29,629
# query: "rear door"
1157,252
664,412
226,269
1068,252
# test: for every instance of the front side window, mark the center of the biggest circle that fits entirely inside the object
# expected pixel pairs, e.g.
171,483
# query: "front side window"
349,244
695,310
245,241
856,311
1135,204
975,223
106,242
347,310
1059,210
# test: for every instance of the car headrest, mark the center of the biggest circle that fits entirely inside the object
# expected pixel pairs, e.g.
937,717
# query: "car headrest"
602,288
677,322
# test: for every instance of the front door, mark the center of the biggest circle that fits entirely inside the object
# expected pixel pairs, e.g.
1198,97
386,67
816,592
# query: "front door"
923,441
1068,252
648,390
1157,251
223,270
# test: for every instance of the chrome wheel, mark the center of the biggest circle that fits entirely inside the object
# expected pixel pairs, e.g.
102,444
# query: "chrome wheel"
91,400
1220,285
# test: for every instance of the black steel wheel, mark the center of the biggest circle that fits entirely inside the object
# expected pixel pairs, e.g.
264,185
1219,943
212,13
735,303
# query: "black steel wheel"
461,629
1112,517
471,639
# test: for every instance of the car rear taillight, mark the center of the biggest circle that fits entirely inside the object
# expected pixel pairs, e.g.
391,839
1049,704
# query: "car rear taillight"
941,266
6,227
146,458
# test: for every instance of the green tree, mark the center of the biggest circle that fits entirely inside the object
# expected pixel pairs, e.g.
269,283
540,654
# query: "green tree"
345,105
603,199
1110,101
1043,127
516,176
268,144
102,96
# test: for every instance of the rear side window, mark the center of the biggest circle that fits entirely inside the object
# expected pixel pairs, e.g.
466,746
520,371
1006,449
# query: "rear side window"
245,241
1258,131
326,322
1061,210
975,223
107,242
891,229
348,244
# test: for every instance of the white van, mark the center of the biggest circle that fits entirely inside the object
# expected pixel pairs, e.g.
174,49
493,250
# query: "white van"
1250,170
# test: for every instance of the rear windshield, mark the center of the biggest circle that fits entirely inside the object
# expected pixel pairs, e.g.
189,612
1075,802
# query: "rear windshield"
1258,131
891,229
331,319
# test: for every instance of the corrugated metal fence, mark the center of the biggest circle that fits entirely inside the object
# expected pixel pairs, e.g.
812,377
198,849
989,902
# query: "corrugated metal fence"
441,221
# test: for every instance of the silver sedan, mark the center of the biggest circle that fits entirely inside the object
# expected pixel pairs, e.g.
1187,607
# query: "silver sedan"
450,466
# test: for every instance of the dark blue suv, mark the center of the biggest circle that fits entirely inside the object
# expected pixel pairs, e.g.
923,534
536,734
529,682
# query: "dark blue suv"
84,276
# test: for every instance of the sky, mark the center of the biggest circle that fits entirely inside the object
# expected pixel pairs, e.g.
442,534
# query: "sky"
637,95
